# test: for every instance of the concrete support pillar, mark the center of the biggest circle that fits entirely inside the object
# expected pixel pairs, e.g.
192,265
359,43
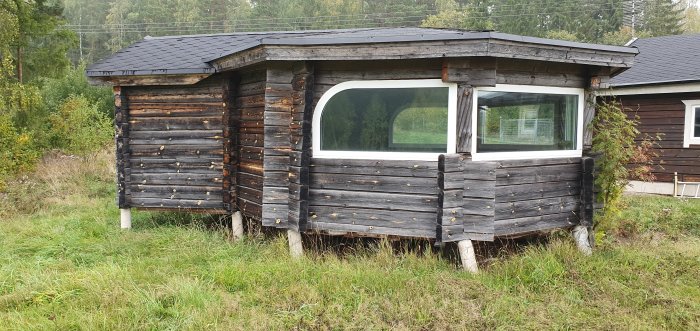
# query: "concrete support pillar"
125,218
580,234
237,225
467,256
296,250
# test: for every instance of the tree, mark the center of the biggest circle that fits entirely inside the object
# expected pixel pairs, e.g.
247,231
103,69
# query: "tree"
662,18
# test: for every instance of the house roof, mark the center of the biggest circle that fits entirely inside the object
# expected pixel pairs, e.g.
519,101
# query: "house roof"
662,60
193,54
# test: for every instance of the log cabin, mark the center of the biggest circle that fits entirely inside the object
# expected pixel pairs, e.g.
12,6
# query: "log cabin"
447,135
663,90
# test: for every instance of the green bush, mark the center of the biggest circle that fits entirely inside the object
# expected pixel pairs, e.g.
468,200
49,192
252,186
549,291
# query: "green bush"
78,127
56,90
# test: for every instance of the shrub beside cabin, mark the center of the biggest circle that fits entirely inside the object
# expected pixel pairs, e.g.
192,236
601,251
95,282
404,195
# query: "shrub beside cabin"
663,90
439,134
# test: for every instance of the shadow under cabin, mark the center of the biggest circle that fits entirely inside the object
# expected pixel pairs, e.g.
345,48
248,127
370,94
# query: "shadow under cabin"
448,135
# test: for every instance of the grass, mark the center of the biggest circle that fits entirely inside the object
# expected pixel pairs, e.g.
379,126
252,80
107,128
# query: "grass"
64,264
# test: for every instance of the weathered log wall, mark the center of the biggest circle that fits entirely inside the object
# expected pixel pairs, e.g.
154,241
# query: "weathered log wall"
536,195
373,197
665,114
173,155
250,103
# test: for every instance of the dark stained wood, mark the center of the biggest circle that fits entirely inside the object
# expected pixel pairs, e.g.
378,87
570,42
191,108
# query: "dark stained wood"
465,101
665,114
426,49
277,118
121,118
475,71
587,196
303,81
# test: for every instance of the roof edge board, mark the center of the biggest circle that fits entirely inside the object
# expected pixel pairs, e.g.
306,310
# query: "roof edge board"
148,80
469,48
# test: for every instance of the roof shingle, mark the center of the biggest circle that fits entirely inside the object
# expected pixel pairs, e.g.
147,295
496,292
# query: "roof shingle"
667,59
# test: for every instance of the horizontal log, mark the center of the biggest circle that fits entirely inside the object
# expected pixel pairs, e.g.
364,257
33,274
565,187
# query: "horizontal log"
528,208
367,230
193,142
520,226
479,207
373,200
176,134
373,217
175,123
250,194
538,174
275,195
537,191
274,215
176,203
176,179
169,151
479,188
209,109
250,180
378,168
374,183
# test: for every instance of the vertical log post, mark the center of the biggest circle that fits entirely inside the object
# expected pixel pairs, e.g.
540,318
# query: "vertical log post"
582,231
121,136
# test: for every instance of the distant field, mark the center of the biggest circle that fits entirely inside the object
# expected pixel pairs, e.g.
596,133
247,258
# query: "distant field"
65,265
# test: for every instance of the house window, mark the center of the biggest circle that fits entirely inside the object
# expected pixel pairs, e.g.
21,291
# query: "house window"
392,119
521,121
691,130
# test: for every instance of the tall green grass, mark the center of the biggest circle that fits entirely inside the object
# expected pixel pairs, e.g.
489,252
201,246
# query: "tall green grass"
66,265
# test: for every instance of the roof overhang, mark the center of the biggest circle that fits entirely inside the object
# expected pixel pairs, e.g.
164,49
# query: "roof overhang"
140,80
489,47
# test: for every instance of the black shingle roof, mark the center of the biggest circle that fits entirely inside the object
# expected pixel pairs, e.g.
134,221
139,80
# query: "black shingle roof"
191,54
668,59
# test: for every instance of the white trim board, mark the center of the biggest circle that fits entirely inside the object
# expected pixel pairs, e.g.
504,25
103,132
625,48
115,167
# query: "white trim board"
689,138
369,84
651,89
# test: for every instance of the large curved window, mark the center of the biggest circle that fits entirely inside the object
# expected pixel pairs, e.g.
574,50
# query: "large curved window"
385,119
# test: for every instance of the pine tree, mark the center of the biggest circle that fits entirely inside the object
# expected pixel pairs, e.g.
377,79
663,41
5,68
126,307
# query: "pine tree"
662,18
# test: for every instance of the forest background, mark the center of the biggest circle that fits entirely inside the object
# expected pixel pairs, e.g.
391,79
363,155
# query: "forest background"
46,102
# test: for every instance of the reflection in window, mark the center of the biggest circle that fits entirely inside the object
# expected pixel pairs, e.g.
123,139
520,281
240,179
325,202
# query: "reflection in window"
516,121
386,119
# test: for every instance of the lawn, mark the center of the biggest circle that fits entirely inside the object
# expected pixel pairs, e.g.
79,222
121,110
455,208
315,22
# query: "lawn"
65,264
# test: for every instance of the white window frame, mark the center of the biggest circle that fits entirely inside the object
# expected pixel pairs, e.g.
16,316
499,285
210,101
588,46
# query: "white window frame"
385,155
493,156
691,107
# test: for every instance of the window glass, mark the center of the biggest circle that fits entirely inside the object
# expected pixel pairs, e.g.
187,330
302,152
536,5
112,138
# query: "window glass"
517,121
386,119
697,122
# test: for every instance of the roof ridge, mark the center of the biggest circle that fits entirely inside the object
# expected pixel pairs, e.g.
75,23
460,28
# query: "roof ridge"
251,33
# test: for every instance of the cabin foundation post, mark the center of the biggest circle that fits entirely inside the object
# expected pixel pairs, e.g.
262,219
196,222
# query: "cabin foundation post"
467,256
125,218
580,234
237,226
296,250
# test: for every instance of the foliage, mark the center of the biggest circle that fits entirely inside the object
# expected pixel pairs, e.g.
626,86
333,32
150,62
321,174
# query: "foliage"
375,125
67,265
79,127
17,101
614,134
623,36
74,83
691,22
661,18
39,44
